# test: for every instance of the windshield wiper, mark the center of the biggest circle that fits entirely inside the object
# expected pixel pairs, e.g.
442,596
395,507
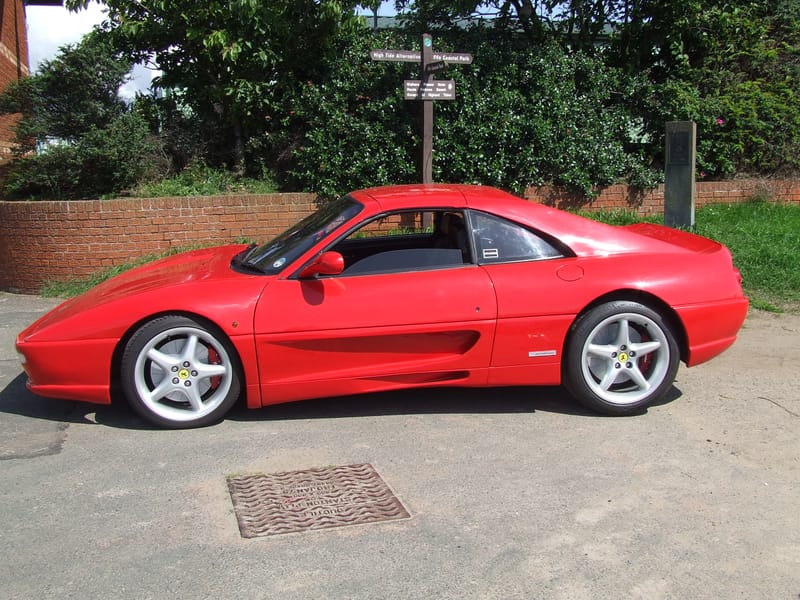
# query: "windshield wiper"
240,262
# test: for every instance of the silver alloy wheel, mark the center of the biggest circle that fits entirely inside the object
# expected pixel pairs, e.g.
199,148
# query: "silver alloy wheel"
625,358
183,374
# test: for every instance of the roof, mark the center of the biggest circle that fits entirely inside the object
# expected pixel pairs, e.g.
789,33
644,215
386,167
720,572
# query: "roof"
584,236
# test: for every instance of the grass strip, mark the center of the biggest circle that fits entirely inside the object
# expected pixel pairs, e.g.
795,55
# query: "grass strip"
764,238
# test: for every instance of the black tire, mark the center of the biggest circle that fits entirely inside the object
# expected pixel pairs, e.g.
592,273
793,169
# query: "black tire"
621,357
179,372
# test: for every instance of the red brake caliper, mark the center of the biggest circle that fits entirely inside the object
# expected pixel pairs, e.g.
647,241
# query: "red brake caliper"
214,359
646,360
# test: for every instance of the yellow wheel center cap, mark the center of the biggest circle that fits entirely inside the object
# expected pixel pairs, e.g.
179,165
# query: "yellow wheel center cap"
183,373
623,357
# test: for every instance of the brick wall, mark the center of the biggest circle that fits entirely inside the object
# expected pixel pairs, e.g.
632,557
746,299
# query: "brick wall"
58,241
13,62
651,202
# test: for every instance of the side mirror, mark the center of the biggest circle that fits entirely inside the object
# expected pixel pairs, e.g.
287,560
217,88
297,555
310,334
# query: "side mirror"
327,263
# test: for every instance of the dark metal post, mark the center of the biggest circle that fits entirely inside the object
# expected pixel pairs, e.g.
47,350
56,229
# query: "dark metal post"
679,187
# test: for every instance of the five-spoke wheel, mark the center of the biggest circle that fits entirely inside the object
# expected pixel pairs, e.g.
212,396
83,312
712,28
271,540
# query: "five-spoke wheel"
178,372
620,358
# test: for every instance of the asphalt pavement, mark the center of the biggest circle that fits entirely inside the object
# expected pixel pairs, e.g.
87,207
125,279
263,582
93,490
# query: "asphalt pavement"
511,493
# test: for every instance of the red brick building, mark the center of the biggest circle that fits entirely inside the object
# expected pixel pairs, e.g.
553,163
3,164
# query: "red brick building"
14,57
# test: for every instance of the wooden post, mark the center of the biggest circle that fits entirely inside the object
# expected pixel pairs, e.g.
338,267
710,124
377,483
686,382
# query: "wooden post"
427,112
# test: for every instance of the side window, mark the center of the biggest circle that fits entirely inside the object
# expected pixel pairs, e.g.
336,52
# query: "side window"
396,225
500,241
406,241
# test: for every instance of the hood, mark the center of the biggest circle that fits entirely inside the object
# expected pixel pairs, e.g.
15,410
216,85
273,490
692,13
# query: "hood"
179,269
161,285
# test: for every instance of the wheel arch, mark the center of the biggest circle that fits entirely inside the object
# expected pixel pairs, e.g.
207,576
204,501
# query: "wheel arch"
119,349
647,299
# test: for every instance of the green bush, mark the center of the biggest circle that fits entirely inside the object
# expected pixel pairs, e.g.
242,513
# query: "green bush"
357,129
103,161
528,115
198,179
747,128
53,174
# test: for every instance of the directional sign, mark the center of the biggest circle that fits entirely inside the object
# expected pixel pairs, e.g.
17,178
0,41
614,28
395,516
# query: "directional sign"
395,55
434,89
435,67
453,58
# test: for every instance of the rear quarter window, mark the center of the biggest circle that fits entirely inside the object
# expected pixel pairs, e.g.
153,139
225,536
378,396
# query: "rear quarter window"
499,240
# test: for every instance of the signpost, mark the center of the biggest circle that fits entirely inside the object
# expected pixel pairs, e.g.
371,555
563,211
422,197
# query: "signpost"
437,89
427,89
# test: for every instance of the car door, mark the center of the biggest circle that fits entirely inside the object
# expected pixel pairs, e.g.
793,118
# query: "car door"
536,284
409,313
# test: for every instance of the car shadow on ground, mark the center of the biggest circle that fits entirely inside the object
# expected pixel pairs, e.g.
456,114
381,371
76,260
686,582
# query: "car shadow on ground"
16,399
436,400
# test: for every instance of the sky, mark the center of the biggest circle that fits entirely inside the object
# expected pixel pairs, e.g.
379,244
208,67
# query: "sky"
51,27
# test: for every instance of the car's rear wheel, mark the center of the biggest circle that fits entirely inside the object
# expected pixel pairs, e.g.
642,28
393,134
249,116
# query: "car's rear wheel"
621,357
179,372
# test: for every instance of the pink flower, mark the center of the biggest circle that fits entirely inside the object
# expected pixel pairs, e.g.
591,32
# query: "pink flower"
720,121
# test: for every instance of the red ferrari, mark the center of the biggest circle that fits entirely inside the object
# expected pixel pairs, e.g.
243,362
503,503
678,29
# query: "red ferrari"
398,287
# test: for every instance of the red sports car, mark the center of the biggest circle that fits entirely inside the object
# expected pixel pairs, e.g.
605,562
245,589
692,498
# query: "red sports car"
398,287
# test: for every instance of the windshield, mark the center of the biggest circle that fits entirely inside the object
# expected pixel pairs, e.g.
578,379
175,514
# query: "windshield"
272,257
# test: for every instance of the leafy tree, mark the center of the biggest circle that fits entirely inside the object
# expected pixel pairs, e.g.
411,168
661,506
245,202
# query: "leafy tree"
576,24
70,94
76,138
287,86
235,64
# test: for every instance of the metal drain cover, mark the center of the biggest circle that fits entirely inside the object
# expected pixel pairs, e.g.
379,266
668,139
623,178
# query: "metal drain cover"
312,499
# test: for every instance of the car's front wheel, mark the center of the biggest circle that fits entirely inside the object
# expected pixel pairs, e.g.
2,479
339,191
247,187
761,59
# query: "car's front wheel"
621,357
178,372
